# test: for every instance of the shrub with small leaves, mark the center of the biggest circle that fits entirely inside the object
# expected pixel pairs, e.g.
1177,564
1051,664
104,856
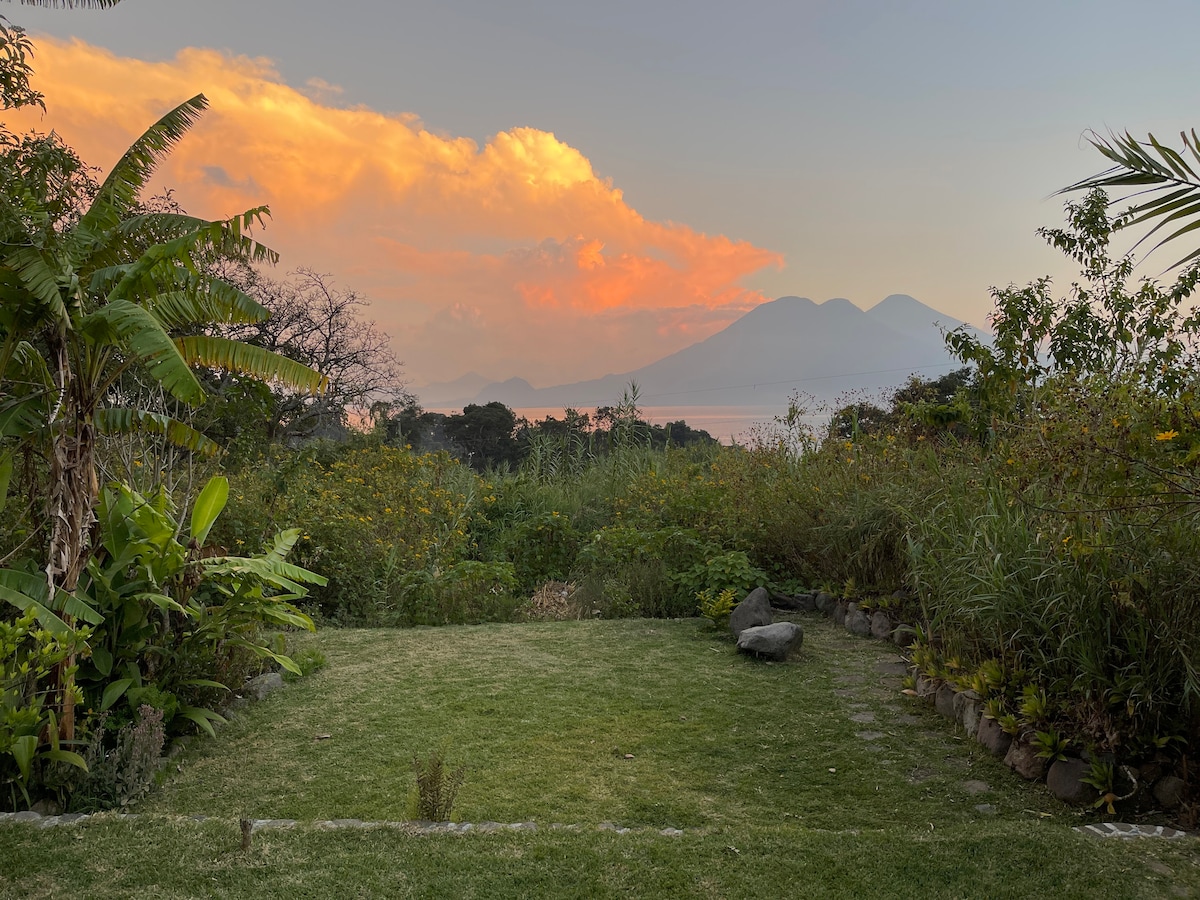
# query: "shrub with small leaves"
717,607
121,768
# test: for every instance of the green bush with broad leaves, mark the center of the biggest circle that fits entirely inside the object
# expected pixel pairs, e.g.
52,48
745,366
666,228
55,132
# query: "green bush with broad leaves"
173,614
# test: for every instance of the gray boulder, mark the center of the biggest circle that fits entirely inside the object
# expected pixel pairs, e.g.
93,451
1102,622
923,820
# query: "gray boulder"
771,641
968,710
926,687
1168,791
881,625
992,737
261,685
1065,781
794,602
824,602
839,613
943,701
755,610
1022,757
857,621
806,602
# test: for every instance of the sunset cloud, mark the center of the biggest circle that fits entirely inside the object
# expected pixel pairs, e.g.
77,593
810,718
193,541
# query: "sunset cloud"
513,257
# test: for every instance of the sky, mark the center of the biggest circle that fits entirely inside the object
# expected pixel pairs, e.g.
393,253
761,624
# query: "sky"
558,190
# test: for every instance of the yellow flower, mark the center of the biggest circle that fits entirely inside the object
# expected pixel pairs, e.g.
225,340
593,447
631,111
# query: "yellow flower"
1166,435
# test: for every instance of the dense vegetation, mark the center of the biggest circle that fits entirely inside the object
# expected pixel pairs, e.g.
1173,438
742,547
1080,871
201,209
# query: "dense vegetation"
1039,505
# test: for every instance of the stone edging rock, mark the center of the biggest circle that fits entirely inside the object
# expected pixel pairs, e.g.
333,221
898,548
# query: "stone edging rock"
1123,830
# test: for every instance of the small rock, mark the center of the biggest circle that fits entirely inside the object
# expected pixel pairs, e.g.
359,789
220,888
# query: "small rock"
824,602
772,641
839,613
1064,780
926,686
47,807
904,636
992,737
881,625
943,701
1168,791
1022,758
986,808
794,602
261,685
857,621
976,787
752,612
968,710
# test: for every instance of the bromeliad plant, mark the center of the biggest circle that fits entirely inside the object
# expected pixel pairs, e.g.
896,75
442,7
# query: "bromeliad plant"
172,610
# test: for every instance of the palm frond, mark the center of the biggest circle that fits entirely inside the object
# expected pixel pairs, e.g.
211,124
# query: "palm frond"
124,420
1168,182
172,264
247,359
141,334
39,277
214,302
125,182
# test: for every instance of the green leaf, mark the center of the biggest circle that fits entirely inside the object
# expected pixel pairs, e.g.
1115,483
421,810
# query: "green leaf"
205,682
143,336
23,749
29,592
247,359
121,420
162,601
113,692
208,506
102,660
66,756
72,605
203,717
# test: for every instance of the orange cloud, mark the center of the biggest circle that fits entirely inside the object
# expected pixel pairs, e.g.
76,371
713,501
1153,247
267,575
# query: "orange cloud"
510,258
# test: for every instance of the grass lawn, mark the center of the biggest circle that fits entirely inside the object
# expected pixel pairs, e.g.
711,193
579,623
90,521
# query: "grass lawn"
811,778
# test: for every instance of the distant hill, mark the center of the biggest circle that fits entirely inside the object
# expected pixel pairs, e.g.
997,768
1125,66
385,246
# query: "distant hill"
787,345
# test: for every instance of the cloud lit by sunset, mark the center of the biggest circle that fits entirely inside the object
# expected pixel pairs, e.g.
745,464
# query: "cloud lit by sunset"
509,258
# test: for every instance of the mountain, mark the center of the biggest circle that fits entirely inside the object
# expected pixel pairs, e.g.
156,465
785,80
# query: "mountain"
787,345
454,393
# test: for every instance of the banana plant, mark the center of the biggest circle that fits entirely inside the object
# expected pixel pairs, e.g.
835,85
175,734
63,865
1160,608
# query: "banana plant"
92,286
167,600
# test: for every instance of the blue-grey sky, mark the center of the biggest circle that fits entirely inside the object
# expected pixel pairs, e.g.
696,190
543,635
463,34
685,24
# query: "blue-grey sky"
878,147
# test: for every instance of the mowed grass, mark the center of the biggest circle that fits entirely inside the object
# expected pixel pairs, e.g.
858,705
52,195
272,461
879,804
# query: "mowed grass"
811,778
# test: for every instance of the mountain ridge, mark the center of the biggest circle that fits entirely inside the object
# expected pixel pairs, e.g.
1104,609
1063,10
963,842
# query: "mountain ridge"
787,344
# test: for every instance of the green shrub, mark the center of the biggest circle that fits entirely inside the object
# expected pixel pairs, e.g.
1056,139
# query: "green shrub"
717,607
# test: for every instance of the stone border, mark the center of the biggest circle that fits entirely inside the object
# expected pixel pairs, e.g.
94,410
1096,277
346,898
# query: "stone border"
1063,778
37,820
1125,830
